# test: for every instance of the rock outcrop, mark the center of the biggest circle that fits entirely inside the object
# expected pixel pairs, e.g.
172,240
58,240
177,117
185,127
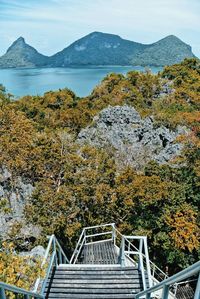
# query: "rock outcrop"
15,193
36,252
135,140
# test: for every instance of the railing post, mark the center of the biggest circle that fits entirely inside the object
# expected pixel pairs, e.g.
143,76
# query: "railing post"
140,254
141,265
197,291
54,249
147,262
165,292
59,256
2,293
84,236
113,233
175,289
129,248
153,270
122,253
64,260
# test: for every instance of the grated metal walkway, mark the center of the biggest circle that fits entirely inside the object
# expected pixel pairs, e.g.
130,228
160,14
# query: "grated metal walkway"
99,253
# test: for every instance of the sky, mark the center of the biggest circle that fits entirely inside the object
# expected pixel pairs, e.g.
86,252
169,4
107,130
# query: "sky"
51,25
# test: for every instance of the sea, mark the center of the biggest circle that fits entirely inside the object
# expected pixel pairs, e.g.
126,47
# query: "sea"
81,80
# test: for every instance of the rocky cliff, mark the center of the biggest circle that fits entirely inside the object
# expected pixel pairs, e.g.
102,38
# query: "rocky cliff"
136,141
14,195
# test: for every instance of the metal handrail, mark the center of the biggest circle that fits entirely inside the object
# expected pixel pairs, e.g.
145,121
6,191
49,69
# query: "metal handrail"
155,270
57,256
78,247
83,239
165,284
162,274
142,256
154,274
98,226
10,288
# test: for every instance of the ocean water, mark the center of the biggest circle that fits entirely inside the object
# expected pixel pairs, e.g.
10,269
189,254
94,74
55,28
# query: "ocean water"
81,80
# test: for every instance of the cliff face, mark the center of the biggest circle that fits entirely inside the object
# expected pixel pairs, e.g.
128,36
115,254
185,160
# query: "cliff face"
17,193
99,48
136,141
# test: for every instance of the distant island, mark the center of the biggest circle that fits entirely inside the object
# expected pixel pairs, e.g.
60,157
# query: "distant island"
99,48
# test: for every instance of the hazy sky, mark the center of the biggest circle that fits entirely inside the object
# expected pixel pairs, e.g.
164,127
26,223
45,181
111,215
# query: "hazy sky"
51,25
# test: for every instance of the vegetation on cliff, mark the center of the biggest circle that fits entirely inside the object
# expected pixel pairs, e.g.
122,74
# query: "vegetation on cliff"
81,185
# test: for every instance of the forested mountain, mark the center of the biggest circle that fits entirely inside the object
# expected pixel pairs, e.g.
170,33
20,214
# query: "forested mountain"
128,153
107,49
100,49
166,51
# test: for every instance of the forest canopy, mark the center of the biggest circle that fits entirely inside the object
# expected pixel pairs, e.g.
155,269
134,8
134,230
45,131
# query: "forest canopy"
81,185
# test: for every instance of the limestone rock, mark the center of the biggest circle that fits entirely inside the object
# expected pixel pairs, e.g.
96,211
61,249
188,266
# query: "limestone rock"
36,252
135,140
16,192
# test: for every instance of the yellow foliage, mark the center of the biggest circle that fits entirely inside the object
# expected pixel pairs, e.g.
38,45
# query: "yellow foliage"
18,270
185,232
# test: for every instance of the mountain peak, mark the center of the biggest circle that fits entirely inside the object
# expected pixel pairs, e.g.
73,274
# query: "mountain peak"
18,43
171,38
21,54
20,40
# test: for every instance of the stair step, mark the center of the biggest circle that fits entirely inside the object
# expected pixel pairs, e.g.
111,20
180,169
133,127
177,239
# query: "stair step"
94,291
101,281
93,282
96,276
95,286
72,267
93,296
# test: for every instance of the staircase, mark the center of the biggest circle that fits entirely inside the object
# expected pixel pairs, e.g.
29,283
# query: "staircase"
105,264
93,282
95,272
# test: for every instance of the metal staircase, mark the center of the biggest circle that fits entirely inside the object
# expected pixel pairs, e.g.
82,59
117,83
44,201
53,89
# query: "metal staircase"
104,281
104,264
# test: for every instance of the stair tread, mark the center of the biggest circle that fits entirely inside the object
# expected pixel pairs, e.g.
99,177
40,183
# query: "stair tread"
92,269
93,296
101,281
96,285
95,291
93,277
